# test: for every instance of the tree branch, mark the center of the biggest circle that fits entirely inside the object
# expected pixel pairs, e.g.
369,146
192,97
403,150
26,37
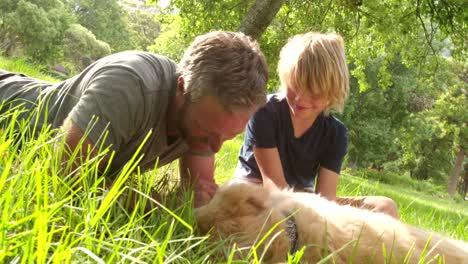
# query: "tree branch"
418,14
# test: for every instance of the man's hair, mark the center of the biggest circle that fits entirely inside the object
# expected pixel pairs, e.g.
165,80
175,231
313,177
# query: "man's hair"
315,64
227,65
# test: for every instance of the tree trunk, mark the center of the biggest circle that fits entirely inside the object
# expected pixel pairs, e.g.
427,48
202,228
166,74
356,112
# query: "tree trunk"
453,181
464,187
259,17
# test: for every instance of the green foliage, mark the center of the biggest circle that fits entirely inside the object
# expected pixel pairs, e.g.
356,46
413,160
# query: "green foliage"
430,137
413,123
142,22
184,20
107,19
374,116
50,23
40,34
451,109
171,42
372,29
450,17
81,47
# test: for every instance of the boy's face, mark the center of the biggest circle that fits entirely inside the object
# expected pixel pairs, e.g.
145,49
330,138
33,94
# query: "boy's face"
304,105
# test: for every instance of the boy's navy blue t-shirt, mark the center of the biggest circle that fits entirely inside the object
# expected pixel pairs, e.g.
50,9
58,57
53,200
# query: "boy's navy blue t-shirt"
324,144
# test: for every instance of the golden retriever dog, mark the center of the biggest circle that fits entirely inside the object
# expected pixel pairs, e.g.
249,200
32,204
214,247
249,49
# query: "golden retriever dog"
286,221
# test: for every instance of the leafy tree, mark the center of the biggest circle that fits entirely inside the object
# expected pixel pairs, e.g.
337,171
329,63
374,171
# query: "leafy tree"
106,19
452,113
40,34
436,133
183,20
81,47
373,116
171,42
372,28
143,24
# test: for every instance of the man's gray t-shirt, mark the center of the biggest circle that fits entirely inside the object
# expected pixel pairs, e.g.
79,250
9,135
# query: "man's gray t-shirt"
125,96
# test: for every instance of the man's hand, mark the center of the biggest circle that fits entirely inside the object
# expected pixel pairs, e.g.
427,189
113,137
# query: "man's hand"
204,191
198,172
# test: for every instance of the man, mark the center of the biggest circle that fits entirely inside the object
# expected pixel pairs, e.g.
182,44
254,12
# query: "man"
134,99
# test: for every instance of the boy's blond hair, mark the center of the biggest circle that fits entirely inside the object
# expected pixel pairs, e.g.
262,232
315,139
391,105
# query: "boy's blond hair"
315,64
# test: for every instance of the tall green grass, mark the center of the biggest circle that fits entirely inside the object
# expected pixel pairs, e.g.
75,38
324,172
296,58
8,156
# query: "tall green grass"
22,66
48,215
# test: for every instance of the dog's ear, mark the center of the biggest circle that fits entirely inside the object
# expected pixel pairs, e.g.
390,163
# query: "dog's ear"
253,206
220,205
229,203
237,199
253,199
257,201
204,219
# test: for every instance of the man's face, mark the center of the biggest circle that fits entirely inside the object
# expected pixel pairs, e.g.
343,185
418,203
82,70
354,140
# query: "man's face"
205,124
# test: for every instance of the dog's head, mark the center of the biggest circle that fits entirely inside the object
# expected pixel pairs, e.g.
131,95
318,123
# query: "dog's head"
245,210
232,205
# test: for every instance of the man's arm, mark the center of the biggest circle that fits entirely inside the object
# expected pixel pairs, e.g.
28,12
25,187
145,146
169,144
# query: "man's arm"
198,172
269,163
327,183
74,139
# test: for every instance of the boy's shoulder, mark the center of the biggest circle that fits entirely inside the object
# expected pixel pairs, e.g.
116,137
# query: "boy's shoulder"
272,110
274,101
274,98
334,123
273,105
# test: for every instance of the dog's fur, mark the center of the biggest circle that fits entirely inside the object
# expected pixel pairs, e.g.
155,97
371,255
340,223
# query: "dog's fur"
343,233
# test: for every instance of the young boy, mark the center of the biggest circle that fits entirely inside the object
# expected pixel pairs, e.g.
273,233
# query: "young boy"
293,141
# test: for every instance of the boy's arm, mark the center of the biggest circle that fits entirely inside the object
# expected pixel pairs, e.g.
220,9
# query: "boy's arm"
327,183
198,172
269,163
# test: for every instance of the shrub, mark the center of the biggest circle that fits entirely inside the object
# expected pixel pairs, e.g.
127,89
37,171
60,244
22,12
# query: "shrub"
81,47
